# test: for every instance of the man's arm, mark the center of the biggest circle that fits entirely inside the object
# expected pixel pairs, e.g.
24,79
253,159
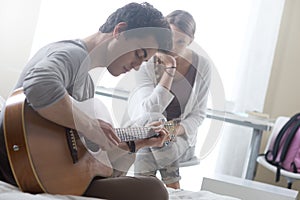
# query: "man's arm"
66,113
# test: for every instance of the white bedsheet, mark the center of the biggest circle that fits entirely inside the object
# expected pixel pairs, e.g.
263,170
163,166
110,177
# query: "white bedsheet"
200,195
9,192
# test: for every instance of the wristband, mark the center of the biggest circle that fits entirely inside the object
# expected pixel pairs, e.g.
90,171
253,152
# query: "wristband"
131,146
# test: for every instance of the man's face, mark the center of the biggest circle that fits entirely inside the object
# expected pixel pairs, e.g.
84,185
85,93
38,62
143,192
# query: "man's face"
130,53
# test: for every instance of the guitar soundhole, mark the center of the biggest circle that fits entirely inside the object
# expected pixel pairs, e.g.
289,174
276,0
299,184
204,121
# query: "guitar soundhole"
91,145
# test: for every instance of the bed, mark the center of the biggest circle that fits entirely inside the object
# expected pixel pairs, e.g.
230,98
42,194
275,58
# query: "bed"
9,192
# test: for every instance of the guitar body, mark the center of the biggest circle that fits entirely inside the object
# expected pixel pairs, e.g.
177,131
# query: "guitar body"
39,154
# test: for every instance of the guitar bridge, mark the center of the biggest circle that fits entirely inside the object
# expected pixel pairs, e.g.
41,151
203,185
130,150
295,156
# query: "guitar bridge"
71,139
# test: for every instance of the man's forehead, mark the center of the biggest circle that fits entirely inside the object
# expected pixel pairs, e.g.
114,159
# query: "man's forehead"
147,42
133,44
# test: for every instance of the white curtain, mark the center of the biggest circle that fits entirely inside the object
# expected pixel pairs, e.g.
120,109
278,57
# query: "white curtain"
250,81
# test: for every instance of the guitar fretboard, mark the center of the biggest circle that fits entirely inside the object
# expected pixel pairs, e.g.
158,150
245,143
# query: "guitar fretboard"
134,133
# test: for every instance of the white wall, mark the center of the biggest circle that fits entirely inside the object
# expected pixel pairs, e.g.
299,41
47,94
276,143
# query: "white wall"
18,20
283,96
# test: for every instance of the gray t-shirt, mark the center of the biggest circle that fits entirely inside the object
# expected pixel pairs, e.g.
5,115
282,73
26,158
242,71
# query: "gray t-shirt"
55,69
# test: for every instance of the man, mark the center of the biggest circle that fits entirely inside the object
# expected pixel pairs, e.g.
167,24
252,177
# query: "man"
56,78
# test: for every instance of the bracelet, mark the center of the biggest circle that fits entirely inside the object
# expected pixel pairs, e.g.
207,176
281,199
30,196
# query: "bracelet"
172,67
131,146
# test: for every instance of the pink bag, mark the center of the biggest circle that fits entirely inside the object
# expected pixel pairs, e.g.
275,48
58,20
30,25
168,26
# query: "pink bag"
284,150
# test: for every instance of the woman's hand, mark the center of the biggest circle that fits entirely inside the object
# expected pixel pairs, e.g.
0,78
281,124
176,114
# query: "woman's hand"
164,59
168,63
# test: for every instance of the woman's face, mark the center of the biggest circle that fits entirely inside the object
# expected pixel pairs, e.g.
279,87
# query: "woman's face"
180,40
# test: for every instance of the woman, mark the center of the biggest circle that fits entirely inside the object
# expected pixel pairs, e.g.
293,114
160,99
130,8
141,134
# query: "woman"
176,86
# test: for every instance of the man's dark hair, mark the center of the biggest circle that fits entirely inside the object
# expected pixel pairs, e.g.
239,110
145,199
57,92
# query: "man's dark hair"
139,16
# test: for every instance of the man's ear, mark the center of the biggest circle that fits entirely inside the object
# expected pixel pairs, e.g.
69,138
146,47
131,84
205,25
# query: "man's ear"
119,28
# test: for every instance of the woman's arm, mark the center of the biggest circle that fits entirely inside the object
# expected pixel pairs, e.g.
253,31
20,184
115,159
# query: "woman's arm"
150,96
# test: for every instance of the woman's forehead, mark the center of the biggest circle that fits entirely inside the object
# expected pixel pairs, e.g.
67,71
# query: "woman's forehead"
178,33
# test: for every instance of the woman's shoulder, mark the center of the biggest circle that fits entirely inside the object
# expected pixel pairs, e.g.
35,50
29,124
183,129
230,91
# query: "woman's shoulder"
202,62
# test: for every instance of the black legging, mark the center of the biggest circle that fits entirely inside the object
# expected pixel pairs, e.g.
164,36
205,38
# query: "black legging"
127,188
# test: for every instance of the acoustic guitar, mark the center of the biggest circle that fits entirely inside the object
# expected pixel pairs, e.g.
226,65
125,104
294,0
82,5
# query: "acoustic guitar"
48,158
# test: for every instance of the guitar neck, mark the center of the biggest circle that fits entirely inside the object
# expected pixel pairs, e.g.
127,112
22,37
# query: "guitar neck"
134,133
